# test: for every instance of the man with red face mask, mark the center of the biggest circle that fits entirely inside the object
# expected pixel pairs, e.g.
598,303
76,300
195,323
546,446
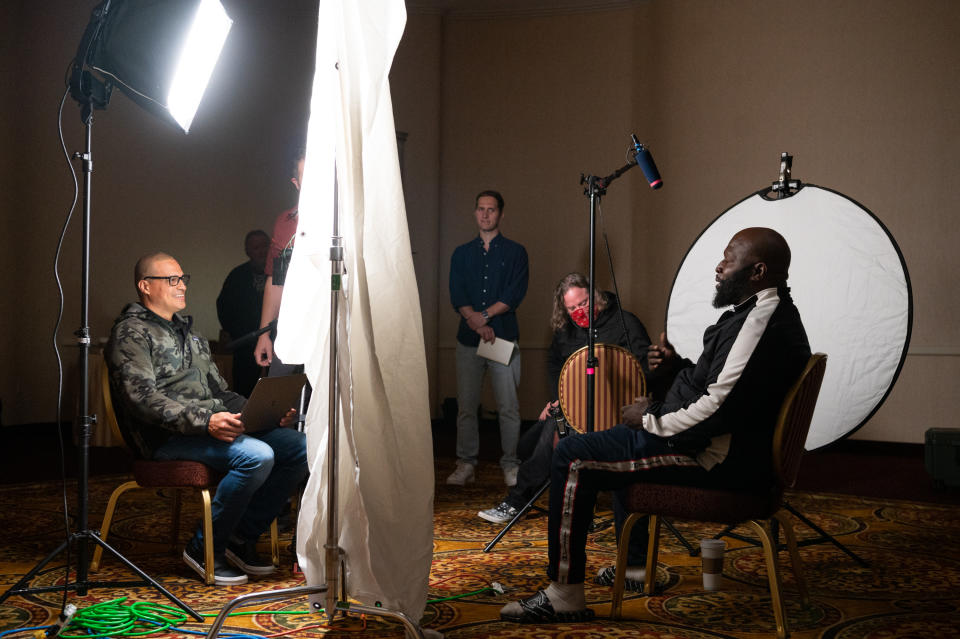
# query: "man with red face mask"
570,323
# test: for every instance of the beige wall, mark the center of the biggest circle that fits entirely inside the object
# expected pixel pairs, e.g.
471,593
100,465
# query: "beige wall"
415,80
860,93
863,94
527,106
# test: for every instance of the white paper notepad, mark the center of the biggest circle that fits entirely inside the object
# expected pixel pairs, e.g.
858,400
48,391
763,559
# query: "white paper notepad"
499,351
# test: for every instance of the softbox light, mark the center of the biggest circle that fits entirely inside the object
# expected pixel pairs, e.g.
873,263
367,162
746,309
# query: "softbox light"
161,53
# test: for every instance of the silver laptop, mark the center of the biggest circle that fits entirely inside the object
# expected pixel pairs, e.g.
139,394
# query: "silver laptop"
270,400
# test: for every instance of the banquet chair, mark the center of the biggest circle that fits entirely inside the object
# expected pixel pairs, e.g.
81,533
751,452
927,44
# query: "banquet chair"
734,506
174,474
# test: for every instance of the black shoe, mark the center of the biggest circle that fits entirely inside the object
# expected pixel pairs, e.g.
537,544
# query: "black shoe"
607,575
243,555
537,609
223,573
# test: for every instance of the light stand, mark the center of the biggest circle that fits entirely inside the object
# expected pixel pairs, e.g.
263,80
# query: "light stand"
80,538
333,554
161,54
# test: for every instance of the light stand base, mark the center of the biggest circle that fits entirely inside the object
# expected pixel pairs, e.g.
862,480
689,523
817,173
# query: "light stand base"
82,585
413,630
823,538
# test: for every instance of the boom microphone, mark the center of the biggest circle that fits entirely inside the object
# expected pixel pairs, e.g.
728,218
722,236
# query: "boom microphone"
645,161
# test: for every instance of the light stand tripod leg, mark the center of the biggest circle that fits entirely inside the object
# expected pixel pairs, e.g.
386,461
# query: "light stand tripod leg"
78,585
412,630
523,511
146,578
676,533
824,536
19,587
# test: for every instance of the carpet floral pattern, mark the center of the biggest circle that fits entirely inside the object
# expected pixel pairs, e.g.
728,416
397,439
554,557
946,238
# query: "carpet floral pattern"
911,587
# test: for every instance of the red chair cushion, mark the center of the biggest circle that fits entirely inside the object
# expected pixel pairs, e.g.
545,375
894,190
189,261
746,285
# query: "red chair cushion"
174,474
700,504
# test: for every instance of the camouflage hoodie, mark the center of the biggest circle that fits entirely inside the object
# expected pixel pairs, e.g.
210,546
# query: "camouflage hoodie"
163,379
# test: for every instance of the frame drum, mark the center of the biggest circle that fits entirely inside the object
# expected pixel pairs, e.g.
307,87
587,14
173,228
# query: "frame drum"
619,379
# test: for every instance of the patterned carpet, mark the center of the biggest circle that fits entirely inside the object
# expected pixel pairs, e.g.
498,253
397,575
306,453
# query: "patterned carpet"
912,588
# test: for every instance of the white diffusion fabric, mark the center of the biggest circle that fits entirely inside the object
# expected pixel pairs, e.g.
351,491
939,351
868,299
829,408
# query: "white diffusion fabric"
385,458
848,280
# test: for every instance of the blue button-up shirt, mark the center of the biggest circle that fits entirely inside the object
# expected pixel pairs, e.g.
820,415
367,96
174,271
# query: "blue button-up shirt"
481,278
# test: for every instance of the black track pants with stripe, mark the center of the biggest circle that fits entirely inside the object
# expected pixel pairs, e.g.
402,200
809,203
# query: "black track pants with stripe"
583,465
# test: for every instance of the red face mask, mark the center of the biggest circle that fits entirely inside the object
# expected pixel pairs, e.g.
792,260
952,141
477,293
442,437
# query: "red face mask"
580,317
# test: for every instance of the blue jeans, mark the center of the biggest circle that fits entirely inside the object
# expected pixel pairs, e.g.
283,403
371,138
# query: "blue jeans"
505,379
262,470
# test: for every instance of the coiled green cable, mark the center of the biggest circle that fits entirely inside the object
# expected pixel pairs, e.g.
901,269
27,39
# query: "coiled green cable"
115,619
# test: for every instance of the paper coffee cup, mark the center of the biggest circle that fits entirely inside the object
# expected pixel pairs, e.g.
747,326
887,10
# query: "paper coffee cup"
711,556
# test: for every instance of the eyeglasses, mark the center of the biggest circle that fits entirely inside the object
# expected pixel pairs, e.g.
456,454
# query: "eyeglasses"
172,280
583,304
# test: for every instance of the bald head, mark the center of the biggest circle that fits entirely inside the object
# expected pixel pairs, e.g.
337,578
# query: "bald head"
155,274
756,258
766,246
145,264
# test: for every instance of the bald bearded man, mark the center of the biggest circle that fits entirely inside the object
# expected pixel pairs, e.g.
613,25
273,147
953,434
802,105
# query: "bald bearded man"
714,427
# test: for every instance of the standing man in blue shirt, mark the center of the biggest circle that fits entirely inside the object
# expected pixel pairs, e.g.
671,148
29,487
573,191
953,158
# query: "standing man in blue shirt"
488,280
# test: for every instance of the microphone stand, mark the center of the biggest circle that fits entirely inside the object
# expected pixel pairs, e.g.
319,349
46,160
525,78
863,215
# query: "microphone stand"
595,189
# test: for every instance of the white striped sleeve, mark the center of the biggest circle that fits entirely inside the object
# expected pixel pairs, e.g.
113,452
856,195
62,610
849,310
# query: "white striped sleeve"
710,402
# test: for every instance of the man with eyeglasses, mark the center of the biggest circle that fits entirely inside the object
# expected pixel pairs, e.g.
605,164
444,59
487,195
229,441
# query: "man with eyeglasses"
173,404
569,321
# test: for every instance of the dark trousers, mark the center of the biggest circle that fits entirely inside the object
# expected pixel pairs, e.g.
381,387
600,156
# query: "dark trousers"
535,448
583,465
246,370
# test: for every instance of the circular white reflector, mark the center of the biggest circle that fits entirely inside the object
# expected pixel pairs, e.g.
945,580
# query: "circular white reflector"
847,278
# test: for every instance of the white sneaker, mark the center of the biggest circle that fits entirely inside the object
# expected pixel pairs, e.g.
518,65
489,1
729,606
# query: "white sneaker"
462,475
499,514
510,476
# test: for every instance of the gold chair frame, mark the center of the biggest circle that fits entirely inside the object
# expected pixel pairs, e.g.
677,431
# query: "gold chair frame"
205,496
790,433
